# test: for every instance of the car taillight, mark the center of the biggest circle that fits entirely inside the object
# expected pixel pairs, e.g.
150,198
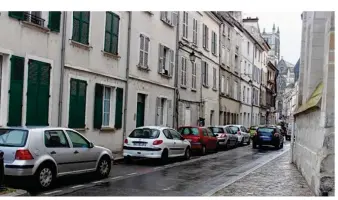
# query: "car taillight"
239,133
276,135
23,155
126,141
157,142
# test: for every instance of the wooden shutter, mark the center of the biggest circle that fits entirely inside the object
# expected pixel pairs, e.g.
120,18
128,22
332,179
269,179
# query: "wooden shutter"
213,42
160,57
204,36
54,21
98,106
77,103
171,63
119,108
115,33
163,17
16,15
207,37
203,73
16,91
38,93
157,111
207,73
174,16
170,114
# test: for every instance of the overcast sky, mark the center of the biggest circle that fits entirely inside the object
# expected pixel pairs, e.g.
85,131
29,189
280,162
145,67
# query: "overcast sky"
290,27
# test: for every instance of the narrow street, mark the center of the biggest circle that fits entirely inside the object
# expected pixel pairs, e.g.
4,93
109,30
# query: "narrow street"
198,176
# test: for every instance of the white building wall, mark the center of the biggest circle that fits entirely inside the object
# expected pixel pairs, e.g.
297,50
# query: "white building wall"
31,42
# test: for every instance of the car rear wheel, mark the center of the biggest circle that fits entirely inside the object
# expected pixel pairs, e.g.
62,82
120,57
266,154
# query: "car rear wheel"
187,154
103,168
45,176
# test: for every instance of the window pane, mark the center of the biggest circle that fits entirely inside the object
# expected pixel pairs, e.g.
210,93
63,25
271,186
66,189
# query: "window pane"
142,42
145,59
141,58
13,138
105,121
55,139
77,140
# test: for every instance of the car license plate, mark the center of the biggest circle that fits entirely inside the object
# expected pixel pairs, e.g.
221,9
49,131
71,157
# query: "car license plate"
141,144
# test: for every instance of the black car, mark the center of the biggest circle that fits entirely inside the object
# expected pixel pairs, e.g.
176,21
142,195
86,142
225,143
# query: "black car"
268,135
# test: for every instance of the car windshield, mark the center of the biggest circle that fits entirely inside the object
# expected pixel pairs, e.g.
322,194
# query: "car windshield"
145,133
234,129
188,131
216,129
264,131
13,138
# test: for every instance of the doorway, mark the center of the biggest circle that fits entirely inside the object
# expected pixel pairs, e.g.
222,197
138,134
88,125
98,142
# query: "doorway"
140,109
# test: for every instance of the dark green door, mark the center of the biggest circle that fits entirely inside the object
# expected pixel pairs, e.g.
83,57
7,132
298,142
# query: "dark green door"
140,110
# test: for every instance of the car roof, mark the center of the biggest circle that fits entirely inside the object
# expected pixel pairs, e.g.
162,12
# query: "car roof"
27,128
154,127
191,127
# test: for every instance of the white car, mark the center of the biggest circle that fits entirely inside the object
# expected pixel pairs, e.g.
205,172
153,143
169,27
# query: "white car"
242,134
155,142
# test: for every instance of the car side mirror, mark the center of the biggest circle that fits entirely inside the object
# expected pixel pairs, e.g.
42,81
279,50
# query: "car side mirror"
91,145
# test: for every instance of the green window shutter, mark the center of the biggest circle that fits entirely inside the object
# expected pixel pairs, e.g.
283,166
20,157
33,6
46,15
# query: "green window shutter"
98,106
119,108
16,15
15,91
112,33
81,27
54,21
38,86
77,103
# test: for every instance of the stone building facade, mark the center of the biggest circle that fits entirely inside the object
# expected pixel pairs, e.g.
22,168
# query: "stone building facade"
313,143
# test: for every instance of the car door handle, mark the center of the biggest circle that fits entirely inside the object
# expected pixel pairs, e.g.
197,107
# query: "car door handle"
53,152
76,152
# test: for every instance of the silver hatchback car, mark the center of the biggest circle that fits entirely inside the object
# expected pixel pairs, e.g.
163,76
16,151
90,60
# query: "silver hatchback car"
48,153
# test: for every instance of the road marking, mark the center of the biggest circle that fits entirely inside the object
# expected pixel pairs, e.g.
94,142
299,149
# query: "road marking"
56,191
168,188
97,182
77,186
116,177
156,168
236,178
131,174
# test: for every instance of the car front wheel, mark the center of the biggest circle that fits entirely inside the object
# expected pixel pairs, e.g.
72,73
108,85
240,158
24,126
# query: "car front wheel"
103,168
187,154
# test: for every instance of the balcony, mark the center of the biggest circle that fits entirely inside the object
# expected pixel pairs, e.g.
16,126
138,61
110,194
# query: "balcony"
33,18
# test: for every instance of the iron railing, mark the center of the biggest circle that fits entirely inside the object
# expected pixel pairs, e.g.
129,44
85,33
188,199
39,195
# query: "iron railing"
34,19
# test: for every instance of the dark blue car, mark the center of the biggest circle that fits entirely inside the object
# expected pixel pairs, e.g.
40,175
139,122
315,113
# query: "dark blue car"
268,135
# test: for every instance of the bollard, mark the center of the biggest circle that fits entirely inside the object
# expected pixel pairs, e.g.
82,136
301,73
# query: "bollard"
2,171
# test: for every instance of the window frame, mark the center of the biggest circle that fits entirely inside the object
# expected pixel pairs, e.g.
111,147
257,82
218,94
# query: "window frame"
195,31
144,51
193,76
183,71
64,134
214,78
112,34
81,21
185,25
67,132
111,118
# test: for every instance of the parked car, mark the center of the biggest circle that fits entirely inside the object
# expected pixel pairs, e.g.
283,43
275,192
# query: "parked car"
234,135
225,136
268,135
201,138
155,142
47,153
242,133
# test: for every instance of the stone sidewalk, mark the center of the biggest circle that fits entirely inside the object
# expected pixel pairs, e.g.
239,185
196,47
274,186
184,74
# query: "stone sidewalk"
276,178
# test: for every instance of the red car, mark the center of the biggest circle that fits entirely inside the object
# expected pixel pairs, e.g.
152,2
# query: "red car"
200,138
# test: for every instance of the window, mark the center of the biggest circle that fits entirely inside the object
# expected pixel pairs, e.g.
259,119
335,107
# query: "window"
54,21
77,140
205,73
205,37
228,57
185,25
227,87
169,17
175,134
13,138
166,61
236,62
244,94
112,33
248,96
194,32
56,139
222,83
37,111
104,115
144,51
167,134
214,79
248,48
184,71
77,103
193,74
214,43
229,33
163,112
223,55
244,67
235,90
81,27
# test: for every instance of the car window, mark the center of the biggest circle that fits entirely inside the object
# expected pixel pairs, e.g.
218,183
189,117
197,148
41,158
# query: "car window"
77,140
216,129
56,139
188,131
167,134
174,134
145,133
235,129
13,138
244,129
205,133
210,134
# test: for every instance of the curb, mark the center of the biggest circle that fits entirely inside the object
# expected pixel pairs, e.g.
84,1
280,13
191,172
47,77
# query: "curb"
17,193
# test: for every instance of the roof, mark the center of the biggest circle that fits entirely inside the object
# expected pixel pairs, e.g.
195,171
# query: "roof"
313,101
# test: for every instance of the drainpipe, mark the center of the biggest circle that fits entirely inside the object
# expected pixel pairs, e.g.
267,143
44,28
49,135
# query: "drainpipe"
292,138
252,85
219,69
176,92
63,44
127,78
